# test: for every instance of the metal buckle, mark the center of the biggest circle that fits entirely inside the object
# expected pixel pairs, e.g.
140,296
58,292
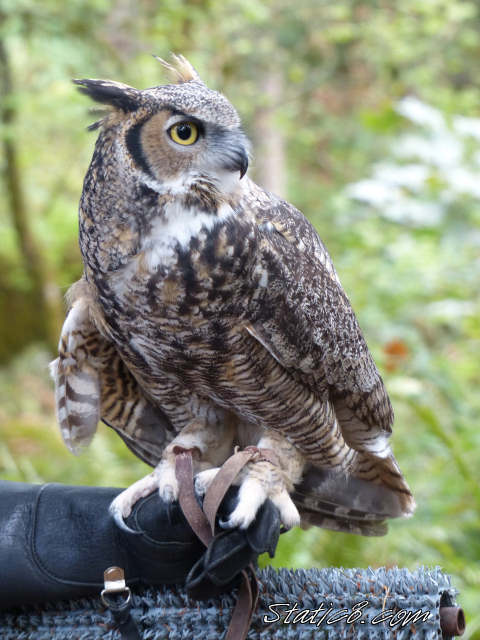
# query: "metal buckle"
114,581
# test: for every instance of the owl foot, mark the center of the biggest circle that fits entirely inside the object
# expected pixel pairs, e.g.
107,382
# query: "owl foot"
122,506
162,478
261,480
254,490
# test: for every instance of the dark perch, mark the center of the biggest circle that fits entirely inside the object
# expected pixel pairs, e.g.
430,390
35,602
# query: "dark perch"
166,613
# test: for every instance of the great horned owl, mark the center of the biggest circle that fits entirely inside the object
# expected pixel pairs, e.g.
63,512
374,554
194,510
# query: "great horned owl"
210,316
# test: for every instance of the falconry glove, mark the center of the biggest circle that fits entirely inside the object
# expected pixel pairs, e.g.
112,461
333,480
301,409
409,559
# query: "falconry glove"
56,541
231,550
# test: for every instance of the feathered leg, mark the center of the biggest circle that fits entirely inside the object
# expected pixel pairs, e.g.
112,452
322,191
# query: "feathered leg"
272,475
212,444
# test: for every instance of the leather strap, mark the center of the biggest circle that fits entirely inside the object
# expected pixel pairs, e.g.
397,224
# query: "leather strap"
221,483
125,625
203,524
187,499
245,606
116,596
227,474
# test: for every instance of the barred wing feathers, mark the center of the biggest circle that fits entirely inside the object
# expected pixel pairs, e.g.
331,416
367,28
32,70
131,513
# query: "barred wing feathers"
308,325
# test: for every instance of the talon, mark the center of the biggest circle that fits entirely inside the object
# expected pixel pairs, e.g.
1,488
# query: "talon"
166,481
204,479
118,516
250,498
168,493
121,506
289,515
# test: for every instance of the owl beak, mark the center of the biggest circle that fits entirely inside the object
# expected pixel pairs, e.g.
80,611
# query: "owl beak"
236,159
232,148
242,163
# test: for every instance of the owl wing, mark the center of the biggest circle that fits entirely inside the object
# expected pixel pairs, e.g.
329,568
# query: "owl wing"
306,322
92,383
308,325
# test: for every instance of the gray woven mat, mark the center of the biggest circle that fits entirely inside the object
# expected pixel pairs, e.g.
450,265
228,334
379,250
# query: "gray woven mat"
319,604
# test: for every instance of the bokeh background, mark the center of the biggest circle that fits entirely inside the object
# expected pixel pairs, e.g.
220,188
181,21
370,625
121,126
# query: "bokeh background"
365,114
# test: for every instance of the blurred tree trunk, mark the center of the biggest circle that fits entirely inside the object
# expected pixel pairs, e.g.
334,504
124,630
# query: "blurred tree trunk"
50,312
270,149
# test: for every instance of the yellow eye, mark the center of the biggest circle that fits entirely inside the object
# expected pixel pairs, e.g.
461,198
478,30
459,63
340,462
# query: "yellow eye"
184,133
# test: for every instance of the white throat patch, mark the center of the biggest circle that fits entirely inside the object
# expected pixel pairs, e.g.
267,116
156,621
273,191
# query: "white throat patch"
226,183
178,226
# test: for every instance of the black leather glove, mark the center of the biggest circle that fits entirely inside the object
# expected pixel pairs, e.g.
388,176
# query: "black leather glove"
232,550
56,541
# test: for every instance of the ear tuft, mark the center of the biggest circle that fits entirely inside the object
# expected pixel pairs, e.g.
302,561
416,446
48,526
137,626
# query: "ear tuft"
116,94
179,69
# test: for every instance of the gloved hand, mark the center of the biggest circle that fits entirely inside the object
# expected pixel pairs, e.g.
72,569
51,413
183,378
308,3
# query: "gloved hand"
56,541
231,550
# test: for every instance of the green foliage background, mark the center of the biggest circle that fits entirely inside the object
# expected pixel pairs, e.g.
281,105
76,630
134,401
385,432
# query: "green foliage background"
407,249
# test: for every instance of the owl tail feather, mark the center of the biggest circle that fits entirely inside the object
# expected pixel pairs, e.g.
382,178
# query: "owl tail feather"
77,401
343,501
77,382
391,477
385,472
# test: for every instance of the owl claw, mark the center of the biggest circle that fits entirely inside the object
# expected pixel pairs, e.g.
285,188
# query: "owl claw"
121,507
118,517
204,479
162,478
166,481
251,496
289,515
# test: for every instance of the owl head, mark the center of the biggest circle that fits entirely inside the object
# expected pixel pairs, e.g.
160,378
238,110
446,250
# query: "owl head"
171,136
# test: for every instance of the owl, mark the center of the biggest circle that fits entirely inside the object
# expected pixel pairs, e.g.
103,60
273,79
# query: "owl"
209,316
